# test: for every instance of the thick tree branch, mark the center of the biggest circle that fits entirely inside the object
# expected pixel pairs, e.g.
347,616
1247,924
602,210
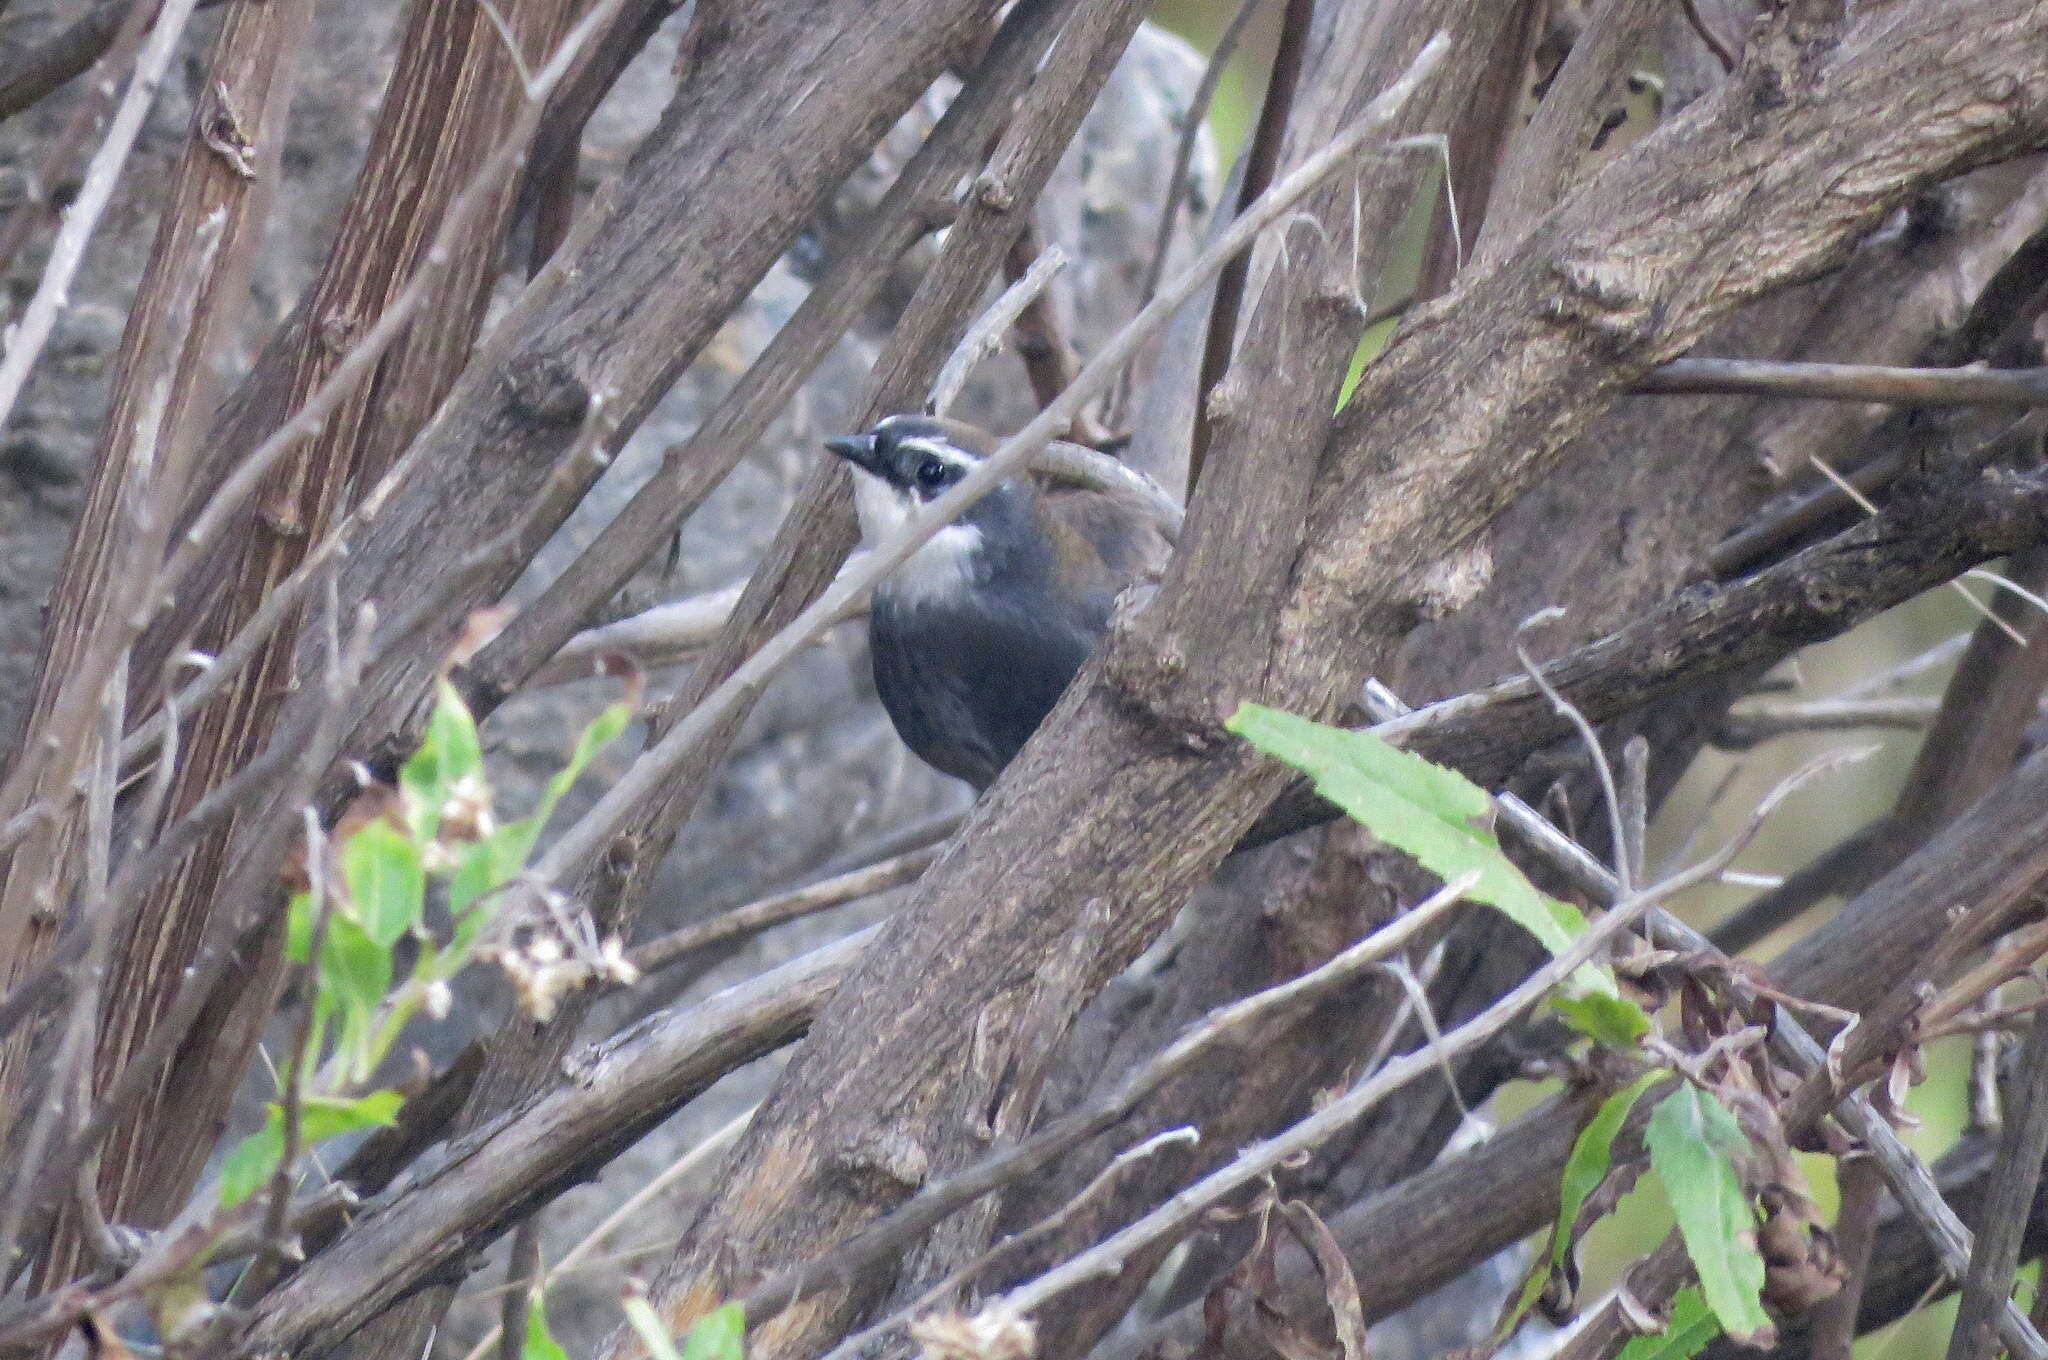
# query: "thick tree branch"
1129,794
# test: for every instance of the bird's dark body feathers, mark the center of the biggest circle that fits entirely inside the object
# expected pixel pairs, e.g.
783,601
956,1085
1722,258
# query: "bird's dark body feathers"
973,647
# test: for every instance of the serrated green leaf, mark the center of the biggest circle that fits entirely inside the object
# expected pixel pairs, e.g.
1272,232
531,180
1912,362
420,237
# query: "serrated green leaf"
540,1342
1430,812
448,754
1693,1142
647,1324
1612,1020
1690,1329
718,1334
253,1160
387,881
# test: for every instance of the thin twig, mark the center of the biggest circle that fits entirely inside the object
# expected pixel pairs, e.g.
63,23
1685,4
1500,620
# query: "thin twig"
2021,387
1752,724
682,1166
1261,162
937,1201
1723,53
756,917
1624,872
1833,1336
655,768
27,335
1041,342
1191,124
523,1282
986,336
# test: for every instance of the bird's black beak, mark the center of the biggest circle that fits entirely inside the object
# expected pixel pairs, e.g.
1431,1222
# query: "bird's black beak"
857,449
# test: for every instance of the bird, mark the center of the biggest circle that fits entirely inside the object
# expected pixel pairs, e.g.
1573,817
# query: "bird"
977,634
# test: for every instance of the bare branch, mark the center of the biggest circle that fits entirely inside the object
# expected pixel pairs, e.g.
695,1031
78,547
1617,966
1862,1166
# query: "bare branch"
1987,1288
986,336
935,1202
31,330
2020,387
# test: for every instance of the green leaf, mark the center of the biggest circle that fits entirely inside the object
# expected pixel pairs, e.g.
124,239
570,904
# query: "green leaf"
298,928
718,1334
387,882
540,1342
1612,1020
1592,1156
253,1160
324,1117
603,730
449,754
1435,814
1693,1142
353,966
1691,1328
640,1315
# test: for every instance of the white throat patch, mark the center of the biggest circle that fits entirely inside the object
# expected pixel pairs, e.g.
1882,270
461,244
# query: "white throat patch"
943,568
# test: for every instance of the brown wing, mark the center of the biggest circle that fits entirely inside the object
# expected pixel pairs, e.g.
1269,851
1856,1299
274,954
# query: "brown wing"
1118,535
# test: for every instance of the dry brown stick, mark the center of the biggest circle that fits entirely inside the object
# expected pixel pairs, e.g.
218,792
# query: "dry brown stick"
2016,1171
1041,342
1031,271
1705,32
1548,153
522,1279
1834,1319
1262,160
1193,121
755,917
31,74
1238,1021
2019,387
1754,723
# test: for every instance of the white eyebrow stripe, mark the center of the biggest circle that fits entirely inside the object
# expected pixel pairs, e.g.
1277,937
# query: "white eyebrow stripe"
959,458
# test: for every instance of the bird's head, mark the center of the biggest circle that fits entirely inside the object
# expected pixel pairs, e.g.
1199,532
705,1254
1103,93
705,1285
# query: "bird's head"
909,460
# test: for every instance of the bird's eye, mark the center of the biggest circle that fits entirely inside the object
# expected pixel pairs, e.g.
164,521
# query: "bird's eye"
933,474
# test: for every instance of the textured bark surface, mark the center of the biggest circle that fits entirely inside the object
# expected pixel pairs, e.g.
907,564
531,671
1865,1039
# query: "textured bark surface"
1128,796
